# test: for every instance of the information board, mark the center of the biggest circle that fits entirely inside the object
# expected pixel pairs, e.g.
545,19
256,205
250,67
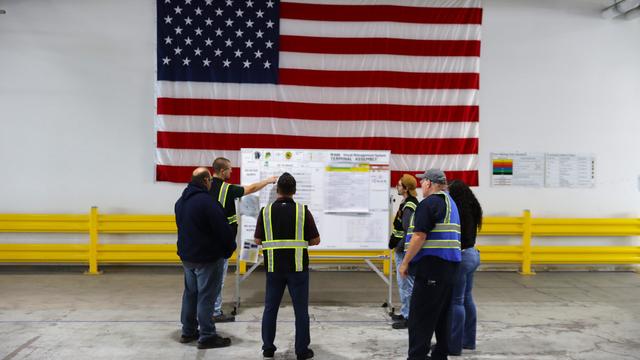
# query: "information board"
347,192
570,170
517,169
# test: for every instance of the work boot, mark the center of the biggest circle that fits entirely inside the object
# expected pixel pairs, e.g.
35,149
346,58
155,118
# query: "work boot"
402,324
307,355
184,339
222,318
214,342
268,354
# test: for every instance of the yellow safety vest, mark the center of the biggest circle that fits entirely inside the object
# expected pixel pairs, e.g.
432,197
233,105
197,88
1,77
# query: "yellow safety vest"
271,245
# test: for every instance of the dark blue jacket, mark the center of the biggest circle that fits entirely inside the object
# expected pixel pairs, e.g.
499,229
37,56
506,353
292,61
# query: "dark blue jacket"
203,232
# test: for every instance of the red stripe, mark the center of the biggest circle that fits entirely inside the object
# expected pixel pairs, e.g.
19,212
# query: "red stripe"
310,111
470,177
320,45
390,79
224,141
182,174
408,14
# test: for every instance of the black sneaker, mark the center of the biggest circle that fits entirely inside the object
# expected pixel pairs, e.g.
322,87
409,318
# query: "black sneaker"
397,317
184,339
222,318
214,342
402,324
307,355
268,354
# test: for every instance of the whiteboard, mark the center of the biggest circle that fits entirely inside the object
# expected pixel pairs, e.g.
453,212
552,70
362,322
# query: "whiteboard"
347,192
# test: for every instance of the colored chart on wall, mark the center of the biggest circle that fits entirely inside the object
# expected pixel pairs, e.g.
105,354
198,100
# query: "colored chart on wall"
517,169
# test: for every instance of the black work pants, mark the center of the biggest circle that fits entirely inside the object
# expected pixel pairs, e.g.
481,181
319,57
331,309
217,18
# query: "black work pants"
298,284
430,301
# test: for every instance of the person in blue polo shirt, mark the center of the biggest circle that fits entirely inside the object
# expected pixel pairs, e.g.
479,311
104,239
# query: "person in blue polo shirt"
433,256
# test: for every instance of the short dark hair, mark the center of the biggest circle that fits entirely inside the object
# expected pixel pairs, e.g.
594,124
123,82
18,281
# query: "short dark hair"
286,184
220,163
199,177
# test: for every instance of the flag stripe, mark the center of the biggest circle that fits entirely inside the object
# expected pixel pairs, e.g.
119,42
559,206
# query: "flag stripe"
195,158
335,29
460,64
391,79
180,140
470,177
315,95
291,110
416,3
310,44
409,14
322,128
183,174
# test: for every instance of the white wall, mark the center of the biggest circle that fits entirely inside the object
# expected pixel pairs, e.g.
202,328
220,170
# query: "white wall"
556,77
77,105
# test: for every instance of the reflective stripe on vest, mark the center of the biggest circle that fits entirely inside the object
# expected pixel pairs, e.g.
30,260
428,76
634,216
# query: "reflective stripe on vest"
409,234
222,199
411,205
397,233
270,244
222,196
444,240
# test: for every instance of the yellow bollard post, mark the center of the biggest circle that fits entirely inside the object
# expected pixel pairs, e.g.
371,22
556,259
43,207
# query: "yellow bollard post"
386,263
526,244
93,242
243,266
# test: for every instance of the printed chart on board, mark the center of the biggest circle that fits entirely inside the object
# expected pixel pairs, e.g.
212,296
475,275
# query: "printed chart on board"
347,192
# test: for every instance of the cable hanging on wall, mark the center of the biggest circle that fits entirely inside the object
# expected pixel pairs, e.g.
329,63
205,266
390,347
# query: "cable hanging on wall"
629,8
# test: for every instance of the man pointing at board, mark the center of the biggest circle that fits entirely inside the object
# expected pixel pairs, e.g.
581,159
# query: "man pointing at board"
285,229
226,194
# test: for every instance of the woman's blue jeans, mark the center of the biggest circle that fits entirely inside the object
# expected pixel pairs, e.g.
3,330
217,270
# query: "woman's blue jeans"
463,310
405,286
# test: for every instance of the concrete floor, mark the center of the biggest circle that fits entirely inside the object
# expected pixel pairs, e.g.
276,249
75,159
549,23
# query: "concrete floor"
132,313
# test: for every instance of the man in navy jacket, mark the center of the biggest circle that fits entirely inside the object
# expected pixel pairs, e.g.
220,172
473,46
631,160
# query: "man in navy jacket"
205,239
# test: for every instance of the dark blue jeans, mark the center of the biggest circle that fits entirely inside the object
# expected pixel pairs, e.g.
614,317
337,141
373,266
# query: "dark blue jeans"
202,284
463,309
298,284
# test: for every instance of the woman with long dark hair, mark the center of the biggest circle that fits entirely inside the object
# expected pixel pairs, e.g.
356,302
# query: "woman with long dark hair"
463,309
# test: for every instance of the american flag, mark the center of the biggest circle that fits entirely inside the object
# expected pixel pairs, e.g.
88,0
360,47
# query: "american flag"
398,75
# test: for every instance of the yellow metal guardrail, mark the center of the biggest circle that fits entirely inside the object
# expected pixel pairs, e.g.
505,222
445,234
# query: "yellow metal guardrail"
94,253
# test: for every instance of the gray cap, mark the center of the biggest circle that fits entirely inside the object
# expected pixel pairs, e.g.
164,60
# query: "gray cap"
435,175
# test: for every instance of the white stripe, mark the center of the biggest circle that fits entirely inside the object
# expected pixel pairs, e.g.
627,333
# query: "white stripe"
313,94
416,3
197,158
442,162
294,127
394,30
418,64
